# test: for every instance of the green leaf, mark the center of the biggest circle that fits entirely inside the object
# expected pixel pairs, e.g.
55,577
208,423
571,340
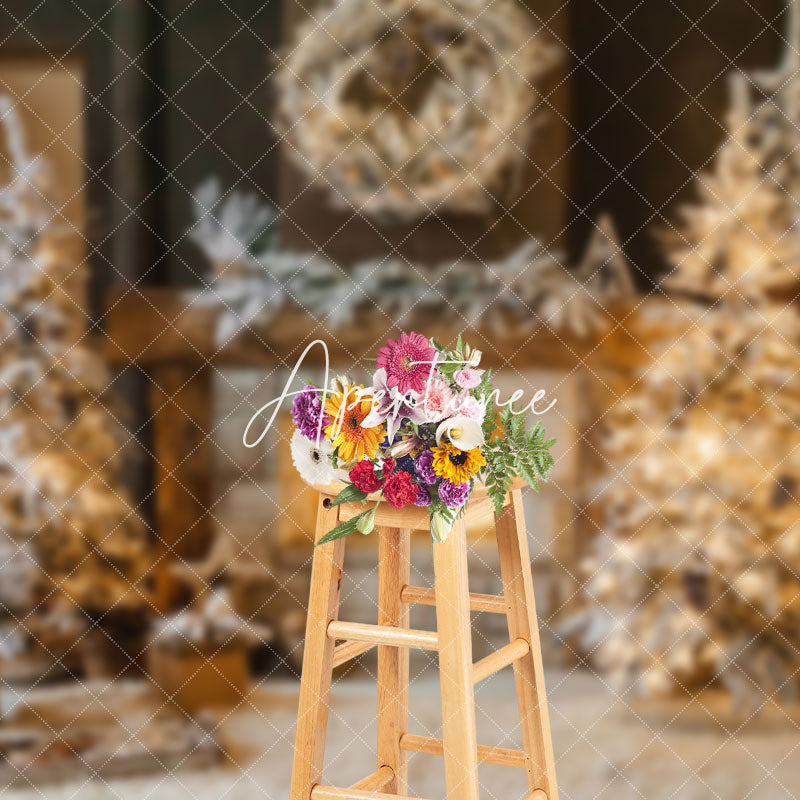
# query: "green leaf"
348,495
497,498
485,386
343,529
534,484
489,423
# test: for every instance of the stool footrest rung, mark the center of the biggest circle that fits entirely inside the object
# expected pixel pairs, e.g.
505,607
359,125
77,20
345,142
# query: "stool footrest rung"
376,782
347,651
489,603
332,793
413,743
494,662
537,795
383,635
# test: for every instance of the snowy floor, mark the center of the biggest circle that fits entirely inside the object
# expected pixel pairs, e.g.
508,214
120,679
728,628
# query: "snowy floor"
605,748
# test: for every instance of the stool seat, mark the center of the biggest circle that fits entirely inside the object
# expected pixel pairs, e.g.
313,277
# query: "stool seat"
412,517
452,641
478,488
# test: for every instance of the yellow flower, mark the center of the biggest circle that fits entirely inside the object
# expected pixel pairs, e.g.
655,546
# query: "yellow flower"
456,466
347,409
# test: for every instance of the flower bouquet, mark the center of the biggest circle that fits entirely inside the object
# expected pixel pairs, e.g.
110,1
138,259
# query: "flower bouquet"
423,433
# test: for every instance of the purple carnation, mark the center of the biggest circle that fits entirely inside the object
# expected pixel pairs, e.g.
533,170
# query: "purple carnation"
306,411
454,495
423,466
423,497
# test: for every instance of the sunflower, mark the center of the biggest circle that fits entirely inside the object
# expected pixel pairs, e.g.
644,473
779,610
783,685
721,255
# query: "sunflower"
456,466
347,410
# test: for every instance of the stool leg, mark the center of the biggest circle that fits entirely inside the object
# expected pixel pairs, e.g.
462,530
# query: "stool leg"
394,572
455,665
315,685
515,567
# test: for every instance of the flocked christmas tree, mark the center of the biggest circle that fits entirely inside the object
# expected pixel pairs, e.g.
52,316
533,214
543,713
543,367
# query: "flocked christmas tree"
694,579
740,239
72,549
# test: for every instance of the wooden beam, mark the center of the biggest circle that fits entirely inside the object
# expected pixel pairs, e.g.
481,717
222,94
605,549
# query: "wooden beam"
383,635
504,756
333,793
394,572
156,325
375,782
487,603
181,420
515,570
347,651
315,681
494,662
455,665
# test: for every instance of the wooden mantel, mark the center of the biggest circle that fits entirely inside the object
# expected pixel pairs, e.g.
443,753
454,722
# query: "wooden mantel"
156,326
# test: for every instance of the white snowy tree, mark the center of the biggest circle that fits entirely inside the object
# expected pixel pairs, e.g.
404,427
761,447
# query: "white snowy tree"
741,239
73,550
694,579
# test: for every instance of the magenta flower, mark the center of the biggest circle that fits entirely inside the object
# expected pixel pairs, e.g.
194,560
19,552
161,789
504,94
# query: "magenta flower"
408,361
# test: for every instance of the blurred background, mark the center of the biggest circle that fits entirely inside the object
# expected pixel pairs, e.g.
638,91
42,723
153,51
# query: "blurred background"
602,197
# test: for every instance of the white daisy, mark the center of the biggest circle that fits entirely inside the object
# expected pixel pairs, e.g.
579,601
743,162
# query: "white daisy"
312,462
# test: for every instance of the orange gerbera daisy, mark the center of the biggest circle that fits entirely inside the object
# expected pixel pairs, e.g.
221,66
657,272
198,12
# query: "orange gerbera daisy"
347,410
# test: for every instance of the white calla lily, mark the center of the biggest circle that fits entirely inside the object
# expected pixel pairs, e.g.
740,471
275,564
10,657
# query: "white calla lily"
463,432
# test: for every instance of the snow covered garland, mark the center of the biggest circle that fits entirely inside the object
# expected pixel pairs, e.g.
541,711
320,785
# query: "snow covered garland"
422,434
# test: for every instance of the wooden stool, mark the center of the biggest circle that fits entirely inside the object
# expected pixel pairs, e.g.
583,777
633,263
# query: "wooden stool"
393,638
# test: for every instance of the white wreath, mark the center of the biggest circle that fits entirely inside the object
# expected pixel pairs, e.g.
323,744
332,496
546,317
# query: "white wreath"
406,106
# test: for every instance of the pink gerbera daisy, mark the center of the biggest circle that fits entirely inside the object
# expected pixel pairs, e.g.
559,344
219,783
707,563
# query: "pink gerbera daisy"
404,360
